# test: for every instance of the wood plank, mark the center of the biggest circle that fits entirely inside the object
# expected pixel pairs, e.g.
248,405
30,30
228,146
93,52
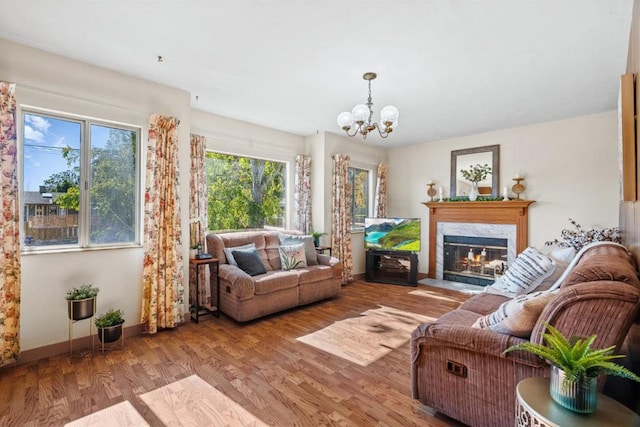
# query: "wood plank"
257,364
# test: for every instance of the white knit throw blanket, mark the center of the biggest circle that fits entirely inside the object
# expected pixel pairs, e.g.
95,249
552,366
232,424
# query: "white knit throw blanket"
575,260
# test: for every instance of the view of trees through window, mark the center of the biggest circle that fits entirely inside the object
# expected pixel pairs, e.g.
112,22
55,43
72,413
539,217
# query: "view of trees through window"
54,150
359,185
245,192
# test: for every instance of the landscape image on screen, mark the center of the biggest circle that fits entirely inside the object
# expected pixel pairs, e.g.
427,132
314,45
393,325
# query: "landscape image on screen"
395,234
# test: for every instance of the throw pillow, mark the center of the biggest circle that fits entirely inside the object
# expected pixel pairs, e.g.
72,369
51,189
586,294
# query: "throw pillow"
309,248
563,258
229,252
517,316
249,261
292,256
529,269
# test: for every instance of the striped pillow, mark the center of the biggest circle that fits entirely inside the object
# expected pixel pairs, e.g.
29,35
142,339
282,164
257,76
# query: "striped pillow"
517,316
527,272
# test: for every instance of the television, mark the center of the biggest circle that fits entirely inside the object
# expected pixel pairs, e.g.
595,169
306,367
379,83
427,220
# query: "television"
392,234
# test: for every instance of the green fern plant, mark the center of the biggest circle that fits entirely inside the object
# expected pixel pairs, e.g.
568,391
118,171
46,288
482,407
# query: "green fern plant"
111,318
576,357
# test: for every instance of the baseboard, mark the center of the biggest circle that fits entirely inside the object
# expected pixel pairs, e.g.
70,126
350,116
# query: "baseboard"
359,276
63,347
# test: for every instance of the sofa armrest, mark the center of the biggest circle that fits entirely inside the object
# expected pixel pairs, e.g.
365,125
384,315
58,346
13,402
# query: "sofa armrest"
471,339
241,284
604,308
332,262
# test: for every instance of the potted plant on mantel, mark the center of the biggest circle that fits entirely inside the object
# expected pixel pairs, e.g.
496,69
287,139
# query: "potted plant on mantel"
575,367
475,174
81,301
109,325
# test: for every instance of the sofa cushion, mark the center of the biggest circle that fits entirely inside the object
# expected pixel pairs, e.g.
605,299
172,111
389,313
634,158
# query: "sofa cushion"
249,261
563,258
292,256
484,303
309,247
275,281
314,273
603,262
228,252
517,316
529,269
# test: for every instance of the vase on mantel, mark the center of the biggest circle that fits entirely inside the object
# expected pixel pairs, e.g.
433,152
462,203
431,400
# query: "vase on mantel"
473,194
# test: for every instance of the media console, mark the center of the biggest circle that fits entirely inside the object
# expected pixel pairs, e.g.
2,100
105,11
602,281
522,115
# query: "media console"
397,268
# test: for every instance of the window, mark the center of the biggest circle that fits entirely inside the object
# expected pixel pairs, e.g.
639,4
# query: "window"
359,185
80,182
245,192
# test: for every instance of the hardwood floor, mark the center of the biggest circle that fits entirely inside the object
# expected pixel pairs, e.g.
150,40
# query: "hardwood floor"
258,364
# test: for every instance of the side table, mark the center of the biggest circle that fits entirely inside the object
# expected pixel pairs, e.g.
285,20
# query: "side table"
535,407
196,309
321,249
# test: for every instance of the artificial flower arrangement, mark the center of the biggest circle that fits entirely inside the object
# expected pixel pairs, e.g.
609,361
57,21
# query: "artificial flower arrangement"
476,173
580,237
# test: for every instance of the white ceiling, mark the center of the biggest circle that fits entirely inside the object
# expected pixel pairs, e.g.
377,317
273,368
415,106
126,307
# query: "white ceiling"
453,68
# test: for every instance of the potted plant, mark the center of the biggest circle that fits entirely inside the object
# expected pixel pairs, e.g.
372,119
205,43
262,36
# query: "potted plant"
575,367
475,174
193,251
109,325
81,301
316,237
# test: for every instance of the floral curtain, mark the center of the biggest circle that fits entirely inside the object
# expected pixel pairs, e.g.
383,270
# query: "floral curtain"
302,194
162,276
9,229
341,224
198,209
380,210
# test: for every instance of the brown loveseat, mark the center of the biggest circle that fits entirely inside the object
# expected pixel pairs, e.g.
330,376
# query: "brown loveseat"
600,295
244,297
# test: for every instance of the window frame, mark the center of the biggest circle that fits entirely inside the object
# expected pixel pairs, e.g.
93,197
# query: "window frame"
84,215
288,185
369,201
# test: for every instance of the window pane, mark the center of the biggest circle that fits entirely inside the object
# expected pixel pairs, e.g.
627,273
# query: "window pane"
113,185
359,183
51,171
245,192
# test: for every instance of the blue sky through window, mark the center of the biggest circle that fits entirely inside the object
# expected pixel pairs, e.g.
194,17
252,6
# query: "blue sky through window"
44,139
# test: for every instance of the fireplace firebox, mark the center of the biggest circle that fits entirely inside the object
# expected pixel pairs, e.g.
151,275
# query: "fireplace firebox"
474,260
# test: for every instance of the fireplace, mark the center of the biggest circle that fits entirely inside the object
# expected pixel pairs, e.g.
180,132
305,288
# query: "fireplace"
473,260
505,221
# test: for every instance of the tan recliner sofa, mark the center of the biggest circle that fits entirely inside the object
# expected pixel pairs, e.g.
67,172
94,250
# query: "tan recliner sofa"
244,297
599,296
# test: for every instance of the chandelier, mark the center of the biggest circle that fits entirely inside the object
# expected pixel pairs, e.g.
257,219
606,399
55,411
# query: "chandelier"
362,114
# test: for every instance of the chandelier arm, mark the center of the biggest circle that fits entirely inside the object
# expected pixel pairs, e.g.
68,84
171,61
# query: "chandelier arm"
384,134
355,131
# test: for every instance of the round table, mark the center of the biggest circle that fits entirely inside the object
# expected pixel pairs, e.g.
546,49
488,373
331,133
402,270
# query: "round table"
534,407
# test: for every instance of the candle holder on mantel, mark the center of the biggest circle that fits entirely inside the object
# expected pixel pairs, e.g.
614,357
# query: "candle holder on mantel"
517,187
431,192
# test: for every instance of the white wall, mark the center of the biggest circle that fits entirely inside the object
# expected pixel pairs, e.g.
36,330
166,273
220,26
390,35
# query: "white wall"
50,81
570,166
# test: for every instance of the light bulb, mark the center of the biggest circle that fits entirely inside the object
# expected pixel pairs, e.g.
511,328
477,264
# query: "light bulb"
389,116
345,120
360,113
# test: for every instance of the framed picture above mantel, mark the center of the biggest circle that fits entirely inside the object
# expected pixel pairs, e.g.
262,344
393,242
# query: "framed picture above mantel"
466,158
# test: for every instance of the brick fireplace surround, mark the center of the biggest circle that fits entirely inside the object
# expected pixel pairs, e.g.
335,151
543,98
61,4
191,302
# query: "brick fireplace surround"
498,212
